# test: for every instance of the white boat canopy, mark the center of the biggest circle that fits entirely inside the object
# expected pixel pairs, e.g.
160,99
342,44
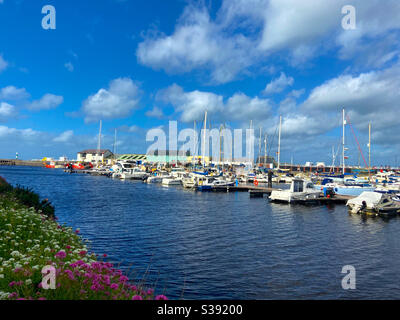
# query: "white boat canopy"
370,198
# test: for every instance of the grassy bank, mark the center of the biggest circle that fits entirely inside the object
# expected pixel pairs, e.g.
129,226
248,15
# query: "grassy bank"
32,239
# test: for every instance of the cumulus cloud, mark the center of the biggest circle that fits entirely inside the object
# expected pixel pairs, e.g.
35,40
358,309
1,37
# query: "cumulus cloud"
129,129
12,93
17,133
65,136
192,105
117,101
247,33
279,84
155,113
364,94
6,111
47,102
3,64
197,42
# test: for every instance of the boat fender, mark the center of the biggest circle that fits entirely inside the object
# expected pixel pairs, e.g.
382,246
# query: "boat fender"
255,183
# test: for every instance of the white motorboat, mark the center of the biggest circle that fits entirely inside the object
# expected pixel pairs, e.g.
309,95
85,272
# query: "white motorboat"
374,203
175,179
300,191
134,173
121,167
158,177
190,181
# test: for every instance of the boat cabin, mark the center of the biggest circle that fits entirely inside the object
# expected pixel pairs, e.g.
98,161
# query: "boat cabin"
299,185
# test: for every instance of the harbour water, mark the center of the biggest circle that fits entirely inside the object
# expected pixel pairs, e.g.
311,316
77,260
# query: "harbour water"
195,245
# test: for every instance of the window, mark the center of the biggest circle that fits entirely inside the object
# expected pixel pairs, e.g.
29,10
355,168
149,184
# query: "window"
298,186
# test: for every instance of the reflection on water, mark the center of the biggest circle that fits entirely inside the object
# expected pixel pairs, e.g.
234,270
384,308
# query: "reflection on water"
223,245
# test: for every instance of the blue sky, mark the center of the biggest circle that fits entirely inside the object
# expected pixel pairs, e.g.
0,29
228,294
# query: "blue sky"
136,65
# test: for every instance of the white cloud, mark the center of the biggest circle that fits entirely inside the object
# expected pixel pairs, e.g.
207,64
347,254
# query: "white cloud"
118,101
197,42
279,84
371,97
129,128
192,105
6,111
13,94
247,33
69,66
17,133
48,101
365,93
3,64
65,136
155,113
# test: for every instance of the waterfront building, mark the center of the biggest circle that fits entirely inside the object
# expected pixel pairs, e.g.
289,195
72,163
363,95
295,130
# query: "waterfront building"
94,155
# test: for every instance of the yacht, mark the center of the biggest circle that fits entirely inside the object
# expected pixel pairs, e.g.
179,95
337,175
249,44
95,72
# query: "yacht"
158,177
175,179
300,190
134,174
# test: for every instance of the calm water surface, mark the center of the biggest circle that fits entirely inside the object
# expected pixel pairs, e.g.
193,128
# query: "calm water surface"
223,246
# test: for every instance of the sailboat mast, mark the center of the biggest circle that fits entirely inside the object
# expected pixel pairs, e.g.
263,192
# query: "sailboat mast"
343,143
204,139
369,152
251,139
115,141
194,142
99,142
220,144
259,148
265,148
279,142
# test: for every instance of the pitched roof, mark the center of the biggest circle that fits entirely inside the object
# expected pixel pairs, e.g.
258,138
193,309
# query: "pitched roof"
132,157
101,151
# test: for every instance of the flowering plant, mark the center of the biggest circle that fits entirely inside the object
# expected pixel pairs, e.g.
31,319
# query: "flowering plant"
32,240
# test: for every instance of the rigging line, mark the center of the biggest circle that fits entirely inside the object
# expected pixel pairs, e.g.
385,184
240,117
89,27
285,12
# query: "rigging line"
359,147
272,142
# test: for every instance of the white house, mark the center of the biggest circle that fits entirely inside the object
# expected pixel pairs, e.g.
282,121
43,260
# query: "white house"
94,155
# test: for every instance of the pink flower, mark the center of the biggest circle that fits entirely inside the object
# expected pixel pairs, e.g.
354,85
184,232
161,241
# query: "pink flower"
150,291
60,254
137,297
12,295
114,286
161,297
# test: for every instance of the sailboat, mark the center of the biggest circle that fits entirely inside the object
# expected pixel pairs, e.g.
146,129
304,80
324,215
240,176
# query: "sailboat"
342,185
